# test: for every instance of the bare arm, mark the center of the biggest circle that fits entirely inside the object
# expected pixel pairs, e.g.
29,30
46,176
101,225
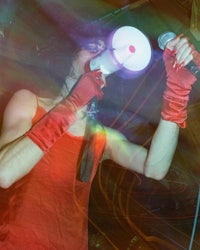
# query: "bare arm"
17,159
154,163
18,154
162,150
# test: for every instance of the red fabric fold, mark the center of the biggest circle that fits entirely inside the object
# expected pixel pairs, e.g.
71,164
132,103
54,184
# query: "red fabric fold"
48,208
176,95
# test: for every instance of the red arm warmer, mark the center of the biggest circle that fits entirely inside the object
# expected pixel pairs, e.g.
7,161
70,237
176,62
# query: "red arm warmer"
53,125
176,95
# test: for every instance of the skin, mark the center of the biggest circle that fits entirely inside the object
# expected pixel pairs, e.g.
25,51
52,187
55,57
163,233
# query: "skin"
19,154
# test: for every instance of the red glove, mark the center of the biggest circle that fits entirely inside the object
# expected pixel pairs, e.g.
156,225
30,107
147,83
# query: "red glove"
53,125
176,95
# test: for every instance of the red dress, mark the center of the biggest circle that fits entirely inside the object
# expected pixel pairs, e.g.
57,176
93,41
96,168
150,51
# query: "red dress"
47,209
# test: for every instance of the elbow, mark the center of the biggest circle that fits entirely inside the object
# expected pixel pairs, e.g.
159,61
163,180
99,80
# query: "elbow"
5,183
155,172
157,177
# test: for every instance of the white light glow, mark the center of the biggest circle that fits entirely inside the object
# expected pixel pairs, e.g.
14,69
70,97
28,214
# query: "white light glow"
131,48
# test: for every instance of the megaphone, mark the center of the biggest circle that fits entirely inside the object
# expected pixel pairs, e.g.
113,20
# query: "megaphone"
128,48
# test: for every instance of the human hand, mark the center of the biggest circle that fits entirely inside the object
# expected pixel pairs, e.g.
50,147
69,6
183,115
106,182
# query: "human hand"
89,86
177,54
53,125
182,50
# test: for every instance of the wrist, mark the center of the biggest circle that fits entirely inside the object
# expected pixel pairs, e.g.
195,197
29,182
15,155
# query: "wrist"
174,110
52,126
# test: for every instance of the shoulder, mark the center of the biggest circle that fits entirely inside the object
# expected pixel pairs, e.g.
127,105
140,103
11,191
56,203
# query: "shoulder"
23,95
18,114
22,102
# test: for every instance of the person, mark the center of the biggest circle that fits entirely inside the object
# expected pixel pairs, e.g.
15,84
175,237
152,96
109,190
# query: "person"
42,141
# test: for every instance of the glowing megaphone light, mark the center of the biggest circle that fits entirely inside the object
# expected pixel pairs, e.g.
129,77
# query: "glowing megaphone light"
128,48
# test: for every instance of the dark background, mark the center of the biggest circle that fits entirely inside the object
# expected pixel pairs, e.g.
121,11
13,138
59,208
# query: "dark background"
127,211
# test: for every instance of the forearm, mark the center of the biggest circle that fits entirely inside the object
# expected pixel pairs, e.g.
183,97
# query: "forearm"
174,108
162,150
17,159
59,119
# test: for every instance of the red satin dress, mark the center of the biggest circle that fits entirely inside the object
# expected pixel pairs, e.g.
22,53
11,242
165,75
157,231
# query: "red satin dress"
48,208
